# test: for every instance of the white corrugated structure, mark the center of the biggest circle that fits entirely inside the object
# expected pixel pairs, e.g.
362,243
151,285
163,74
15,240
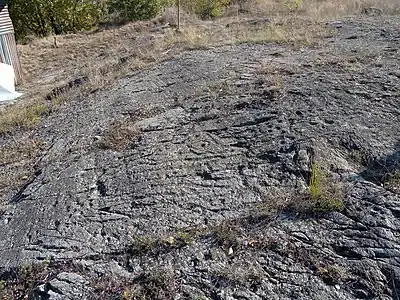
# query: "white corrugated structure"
7,89
6,25
8,47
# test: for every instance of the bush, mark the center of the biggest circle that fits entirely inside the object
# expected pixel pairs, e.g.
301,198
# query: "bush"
206,8
43,17
132,10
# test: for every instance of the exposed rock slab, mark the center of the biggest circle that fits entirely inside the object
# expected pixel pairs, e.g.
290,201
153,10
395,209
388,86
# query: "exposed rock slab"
217,132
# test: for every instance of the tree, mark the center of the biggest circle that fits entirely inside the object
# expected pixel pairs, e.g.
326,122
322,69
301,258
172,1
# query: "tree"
131,10
43,17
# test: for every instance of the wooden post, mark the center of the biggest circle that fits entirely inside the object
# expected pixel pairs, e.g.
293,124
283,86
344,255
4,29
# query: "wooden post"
179,15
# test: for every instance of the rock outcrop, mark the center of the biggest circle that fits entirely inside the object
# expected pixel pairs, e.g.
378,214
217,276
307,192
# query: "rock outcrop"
165,183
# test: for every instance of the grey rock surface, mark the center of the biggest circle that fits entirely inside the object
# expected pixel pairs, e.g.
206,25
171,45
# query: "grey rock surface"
217,133
68,286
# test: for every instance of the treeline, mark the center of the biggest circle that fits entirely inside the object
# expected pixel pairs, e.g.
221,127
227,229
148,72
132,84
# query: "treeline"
44,17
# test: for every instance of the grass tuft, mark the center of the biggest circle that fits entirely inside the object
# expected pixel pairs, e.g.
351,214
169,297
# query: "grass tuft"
143,244
23,282
155,284
22,116
393,183
326,196
331,274
121,135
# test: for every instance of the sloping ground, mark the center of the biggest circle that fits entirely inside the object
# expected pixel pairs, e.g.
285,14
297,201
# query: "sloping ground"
169,181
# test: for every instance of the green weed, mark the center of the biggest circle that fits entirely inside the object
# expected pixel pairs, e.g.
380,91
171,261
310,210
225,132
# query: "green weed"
326,195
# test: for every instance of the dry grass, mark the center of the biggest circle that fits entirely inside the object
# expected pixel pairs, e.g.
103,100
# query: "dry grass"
191,37
119,136
28,113
17,159
23,281
321,9
22,115
393,183
293,31
227,234
339,8
45,64
25,149
244,273
158,283
282,30
331,274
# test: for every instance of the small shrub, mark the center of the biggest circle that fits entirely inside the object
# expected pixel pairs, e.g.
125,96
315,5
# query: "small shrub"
393,183
226,234
317,178
239,274
26,148
185,237
22,283
206,8
156,284
331,274
2,286
325,195
294,5
143,244
119,136
133,10
360,157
